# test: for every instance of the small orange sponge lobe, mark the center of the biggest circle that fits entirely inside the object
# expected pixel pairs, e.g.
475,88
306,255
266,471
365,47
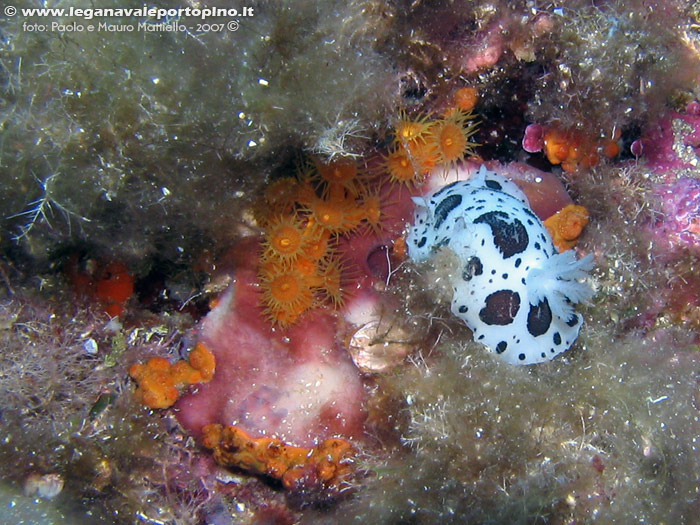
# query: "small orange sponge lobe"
156,384
159,381
202,360
466,98
566,226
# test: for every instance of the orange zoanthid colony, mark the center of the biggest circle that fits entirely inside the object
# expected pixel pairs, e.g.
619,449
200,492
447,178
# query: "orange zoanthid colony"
574,149
422,144
159,381
566,226
327,465
302,217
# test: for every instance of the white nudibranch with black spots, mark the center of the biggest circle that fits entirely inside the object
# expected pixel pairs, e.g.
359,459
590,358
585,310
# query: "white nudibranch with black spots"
514,290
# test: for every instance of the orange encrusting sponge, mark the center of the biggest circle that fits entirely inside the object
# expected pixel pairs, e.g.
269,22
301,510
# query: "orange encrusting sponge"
566,226
326,466
110,283
574,149
114,288
202,360
159,381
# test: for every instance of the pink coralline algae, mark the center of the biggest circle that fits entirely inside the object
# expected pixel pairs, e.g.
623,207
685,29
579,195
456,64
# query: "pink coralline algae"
670,149
671,145
299,386
679,229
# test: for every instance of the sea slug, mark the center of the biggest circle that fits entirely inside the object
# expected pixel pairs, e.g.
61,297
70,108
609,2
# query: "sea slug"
513,289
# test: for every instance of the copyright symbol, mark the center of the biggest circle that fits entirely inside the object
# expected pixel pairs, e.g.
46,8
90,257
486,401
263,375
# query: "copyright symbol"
10,10
233,25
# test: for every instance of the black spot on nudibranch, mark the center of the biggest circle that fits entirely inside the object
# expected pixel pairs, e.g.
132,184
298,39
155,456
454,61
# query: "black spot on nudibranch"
443,209
445,188
422,242
521,357
463,309
531,213
572,322
501,347
539,319
494,185
556,338
509,237
501,308
472,268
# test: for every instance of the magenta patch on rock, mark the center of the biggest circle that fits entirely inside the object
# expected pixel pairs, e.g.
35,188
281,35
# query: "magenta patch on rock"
671,144
677,229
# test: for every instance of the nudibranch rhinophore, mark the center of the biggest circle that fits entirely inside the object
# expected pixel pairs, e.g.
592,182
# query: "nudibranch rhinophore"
513,289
